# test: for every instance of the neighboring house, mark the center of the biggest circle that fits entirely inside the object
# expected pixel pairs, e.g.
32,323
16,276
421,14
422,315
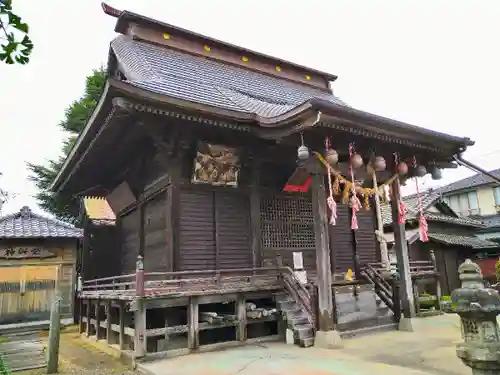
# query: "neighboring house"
475,195
37,259
452,237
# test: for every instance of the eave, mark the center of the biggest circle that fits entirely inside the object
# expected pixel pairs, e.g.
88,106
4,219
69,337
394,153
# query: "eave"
318,113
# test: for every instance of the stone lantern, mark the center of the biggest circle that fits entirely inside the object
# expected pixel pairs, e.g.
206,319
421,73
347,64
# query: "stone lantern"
478,308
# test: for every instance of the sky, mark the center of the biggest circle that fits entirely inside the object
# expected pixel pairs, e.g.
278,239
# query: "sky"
430,63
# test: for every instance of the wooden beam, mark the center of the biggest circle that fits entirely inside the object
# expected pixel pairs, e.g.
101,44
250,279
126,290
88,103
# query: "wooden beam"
169,227
323,263
403,259
193,323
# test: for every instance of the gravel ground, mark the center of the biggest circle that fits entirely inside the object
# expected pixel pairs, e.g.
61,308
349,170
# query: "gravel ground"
79,358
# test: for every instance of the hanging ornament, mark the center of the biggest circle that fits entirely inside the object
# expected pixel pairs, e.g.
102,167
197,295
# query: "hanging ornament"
332,157
332,205
303,150
356,161
420,171
402,168
422,222
379,164
436,173
354,201
402,211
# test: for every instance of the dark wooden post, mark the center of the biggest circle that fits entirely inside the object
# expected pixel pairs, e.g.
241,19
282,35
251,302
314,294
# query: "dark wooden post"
97,319
401,247
326,336
438,281
109,331
140,313
121,317
255,214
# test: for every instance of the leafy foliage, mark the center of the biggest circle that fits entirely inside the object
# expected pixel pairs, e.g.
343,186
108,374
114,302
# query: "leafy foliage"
16,45
63,206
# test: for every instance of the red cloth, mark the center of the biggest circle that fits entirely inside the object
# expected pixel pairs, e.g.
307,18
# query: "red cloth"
487,266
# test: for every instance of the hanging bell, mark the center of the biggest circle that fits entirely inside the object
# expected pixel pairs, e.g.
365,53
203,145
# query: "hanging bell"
303,153
402,168
420,171
356,161
332,157
436,173
379,164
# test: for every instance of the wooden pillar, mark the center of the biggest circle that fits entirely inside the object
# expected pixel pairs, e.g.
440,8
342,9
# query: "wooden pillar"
241,314
109,331
97,319
81,302
121,317
401,248
255,214
438,282
88,327
355,254
323,271
193,323
140,341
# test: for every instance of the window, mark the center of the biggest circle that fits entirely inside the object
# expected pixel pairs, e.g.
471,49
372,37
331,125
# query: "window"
473,204
465,204
496,194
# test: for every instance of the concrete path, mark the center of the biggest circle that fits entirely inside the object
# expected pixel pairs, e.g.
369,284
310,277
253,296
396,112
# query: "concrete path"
428,350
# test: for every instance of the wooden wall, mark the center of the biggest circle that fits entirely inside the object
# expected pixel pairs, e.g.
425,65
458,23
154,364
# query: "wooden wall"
191,227
27,286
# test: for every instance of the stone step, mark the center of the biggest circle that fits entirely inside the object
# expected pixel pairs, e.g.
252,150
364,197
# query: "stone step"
306,342
297,321
357,324
303,331
368,330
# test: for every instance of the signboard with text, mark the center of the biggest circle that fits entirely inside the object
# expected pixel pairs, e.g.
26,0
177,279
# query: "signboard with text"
25,253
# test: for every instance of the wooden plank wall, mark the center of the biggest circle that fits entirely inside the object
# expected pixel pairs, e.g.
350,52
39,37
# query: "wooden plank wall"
129,226
38,279
156,257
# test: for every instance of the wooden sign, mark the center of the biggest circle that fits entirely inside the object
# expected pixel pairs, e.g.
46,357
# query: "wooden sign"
25,253
216,165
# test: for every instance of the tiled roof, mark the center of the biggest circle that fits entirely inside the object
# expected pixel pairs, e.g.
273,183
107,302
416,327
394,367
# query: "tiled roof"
469,182
429,198
411,202
98,208
454,220
467,241
26,224
205,81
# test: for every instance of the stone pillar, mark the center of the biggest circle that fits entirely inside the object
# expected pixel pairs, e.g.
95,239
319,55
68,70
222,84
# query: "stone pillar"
478,308
403,259
326,335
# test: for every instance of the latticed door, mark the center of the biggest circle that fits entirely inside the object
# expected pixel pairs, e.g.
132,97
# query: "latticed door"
287,226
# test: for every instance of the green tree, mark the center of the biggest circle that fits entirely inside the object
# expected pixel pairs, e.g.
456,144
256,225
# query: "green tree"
15,43
63,206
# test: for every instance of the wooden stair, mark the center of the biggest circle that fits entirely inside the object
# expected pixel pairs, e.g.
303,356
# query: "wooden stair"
297,319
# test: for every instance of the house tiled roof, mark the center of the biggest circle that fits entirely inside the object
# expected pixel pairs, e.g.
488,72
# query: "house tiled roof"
197,79
98,208
26,224
466,241
469,182
411,203
429,198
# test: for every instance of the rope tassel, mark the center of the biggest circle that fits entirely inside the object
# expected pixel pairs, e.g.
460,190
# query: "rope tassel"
355,206
330,201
